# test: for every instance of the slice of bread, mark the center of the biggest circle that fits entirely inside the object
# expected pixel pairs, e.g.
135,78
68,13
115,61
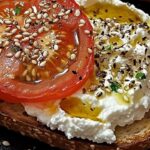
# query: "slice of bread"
135,136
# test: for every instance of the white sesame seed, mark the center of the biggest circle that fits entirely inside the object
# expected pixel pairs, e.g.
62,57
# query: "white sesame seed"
18,27
7,29
68,12
33,18
45,15
17,55
90,50
77,12
45,53
82,21
56,47
26,33
27,51
120,91
40,30
28,20
35,44
8,22
55,20
14,31
46,29
5,143
42,64
27,25
34,9
23,29
36,51
1,21
16,40
34,62
6,43
26,12
7,34
41,4
87,31
17,44
34,34
61,14
55,5
32,15
9,55
66,17
39,16
73,57
18,36
25,39
35,56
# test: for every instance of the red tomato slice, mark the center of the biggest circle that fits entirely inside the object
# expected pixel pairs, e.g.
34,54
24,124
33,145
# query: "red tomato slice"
46,50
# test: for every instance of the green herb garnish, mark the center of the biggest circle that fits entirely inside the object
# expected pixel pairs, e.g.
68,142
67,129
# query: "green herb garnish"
115,86
17,10
109,47
140,76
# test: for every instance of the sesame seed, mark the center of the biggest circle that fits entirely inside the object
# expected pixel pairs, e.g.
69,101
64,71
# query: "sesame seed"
56,47
45,15
55,20
68,12
34,62
35,44
28,20
9,55
34,9
6,43
34,34
8,22
27,25
46,29
77,12
87,31
32,15
42,64
26,51
73,57
90,50
7,29
17,44
26,12
40,30
39,16
82,21
25,39
26,33
19,36
55,5
45,53
5,143
17,55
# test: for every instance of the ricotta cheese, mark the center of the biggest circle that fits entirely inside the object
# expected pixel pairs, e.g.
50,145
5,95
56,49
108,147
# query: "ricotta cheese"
121,95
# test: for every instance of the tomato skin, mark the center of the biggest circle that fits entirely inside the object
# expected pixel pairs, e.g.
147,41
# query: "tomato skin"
16,92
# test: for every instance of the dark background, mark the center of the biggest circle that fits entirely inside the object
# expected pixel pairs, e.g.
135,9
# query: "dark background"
18,142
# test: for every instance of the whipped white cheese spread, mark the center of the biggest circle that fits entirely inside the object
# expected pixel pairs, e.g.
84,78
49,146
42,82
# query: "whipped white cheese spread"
119,94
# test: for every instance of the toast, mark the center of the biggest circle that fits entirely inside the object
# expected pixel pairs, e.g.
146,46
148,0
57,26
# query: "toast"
135,136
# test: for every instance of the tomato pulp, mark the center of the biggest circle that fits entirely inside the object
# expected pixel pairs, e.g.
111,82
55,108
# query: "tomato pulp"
46,50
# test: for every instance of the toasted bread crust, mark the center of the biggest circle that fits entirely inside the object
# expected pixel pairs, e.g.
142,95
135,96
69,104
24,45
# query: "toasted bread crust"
135,136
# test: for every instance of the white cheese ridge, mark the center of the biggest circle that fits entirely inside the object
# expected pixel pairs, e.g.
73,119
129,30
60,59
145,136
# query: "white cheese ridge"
113,113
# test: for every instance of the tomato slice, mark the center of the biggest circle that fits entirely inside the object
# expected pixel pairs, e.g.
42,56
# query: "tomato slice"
46,50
